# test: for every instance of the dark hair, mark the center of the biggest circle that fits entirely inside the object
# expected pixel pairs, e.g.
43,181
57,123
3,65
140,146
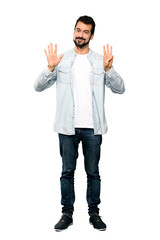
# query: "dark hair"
87,20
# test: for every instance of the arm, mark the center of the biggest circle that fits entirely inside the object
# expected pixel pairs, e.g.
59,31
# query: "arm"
48,77
45,80
112,79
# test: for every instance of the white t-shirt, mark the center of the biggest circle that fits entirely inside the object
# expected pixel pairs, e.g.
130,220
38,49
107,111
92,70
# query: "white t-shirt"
82,71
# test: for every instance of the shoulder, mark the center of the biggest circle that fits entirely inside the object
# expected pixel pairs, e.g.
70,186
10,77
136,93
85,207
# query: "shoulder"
96,55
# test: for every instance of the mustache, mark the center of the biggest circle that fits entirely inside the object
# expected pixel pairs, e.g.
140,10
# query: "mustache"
80,38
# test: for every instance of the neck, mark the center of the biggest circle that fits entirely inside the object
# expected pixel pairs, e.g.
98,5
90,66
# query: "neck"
82,51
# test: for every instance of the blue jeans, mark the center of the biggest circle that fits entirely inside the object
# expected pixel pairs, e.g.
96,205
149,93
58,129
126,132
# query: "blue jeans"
69,152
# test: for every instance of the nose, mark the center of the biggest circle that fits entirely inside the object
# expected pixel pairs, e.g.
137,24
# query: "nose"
80,34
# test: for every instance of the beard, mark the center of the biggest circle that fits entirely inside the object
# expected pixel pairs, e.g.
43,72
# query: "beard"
80,45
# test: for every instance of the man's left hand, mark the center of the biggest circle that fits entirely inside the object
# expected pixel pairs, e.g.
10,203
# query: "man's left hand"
108,57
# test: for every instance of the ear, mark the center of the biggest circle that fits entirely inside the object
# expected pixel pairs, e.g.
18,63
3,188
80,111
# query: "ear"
92,36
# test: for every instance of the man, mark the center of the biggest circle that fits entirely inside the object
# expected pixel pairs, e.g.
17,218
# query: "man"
81,76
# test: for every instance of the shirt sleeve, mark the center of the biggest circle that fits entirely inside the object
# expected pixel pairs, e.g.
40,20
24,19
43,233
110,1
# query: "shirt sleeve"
114,81
45,80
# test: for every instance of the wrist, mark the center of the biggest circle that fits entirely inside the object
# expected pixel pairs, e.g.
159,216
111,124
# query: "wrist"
107,69
51,68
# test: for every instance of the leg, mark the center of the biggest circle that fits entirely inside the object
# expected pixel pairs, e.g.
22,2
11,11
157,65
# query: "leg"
91,149
69,154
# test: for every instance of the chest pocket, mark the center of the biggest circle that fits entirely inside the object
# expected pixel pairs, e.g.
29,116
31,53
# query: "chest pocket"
98,76
64,75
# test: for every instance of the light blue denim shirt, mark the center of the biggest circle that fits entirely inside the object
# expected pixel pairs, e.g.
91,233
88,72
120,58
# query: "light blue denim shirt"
62,75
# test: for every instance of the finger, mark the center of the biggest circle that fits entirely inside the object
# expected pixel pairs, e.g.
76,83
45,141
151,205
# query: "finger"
111,50
49,49
110,62
51,46
112,59
45,52
55,49
104,50
61,57
107,48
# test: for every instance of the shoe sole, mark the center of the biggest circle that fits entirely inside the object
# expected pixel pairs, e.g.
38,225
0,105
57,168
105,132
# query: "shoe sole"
101,229
61,230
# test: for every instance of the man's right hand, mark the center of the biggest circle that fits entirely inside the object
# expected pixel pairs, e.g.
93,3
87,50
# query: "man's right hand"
52,58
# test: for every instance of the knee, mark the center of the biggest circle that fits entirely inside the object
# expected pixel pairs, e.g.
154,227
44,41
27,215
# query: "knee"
68,173
92,174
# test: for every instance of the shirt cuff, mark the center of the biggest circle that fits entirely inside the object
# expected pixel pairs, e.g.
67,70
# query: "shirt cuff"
110,72
48,72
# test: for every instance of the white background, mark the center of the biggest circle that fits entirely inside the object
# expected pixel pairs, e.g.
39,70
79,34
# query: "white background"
30,164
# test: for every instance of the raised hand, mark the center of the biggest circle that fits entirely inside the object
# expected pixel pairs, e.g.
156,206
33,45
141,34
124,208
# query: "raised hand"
108,57
52,58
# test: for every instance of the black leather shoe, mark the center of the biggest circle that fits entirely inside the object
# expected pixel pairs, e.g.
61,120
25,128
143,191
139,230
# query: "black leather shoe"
97,222
65,221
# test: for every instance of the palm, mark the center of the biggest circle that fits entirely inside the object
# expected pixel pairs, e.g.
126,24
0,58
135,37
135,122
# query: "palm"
52,58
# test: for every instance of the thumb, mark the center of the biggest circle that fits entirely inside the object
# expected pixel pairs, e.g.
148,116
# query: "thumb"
60,58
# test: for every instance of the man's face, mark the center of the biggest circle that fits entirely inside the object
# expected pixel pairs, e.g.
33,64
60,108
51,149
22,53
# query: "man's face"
82,34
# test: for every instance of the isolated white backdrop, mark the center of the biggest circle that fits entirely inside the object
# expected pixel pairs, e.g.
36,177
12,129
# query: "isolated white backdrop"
30,164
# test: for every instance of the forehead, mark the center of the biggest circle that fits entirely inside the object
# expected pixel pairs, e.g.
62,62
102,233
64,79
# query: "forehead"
84,26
